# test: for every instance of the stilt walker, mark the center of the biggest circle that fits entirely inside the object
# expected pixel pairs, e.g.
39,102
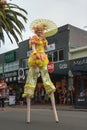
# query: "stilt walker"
38,62
28,109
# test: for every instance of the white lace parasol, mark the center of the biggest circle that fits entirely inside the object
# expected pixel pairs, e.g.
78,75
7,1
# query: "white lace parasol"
50,26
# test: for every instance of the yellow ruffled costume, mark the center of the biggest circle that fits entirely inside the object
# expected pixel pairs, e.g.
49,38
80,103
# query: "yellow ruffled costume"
37,62
38,58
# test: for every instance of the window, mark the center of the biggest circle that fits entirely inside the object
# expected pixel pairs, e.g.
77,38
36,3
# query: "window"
61,55
50,56
55,56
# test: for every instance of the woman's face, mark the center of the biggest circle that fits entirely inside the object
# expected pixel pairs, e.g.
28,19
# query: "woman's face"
39,31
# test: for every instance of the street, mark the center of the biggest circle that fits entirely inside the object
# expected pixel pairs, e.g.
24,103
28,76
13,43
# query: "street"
42,119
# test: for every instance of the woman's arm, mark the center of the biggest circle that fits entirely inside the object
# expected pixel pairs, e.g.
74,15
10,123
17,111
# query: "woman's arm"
32,42
33,47
46,46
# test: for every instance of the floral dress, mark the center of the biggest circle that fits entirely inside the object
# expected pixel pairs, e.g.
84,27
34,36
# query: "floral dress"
38,58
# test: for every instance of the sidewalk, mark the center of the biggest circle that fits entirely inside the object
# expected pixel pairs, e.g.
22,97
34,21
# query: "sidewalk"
48,106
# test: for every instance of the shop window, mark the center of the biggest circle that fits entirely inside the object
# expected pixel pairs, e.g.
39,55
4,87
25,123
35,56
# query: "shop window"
55,56
61,55
50,56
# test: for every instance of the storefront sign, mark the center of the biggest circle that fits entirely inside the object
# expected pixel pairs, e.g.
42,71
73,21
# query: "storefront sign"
11,100
14,78
63,65
12,74
80,61
81,102
21,73
81,99
10,57
10,79
51,67
51,47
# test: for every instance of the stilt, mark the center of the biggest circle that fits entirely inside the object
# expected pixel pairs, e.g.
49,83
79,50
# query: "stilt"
28,110
54,107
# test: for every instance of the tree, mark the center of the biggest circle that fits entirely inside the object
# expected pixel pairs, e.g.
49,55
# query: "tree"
11,21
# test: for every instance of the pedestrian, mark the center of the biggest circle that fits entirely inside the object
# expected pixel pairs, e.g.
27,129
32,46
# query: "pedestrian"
38,62
3,87
20,97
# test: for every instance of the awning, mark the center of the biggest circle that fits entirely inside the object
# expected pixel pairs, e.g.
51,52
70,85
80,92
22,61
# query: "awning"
61,72
61,68
79,69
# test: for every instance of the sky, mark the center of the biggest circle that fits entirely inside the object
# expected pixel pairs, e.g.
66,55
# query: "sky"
62,12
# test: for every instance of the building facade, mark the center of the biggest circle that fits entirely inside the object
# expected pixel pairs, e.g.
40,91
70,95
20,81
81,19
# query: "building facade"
67,52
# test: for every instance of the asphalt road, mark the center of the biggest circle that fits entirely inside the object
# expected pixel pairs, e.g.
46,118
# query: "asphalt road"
42,119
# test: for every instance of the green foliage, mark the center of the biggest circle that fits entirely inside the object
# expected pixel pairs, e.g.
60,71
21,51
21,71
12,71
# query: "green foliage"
11,21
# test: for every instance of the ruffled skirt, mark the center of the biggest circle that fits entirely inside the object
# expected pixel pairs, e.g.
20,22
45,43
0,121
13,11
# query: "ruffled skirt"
39,59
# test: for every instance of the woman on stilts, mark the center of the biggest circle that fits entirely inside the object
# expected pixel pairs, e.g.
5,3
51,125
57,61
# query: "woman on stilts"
38,62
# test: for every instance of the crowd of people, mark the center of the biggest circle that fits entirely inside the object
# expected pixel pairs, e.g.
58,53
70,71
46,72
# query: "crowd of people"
62,95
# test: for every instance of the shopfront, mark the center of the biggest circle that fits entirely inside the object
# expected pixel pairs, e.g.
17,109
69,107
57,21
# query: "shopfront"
79,69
